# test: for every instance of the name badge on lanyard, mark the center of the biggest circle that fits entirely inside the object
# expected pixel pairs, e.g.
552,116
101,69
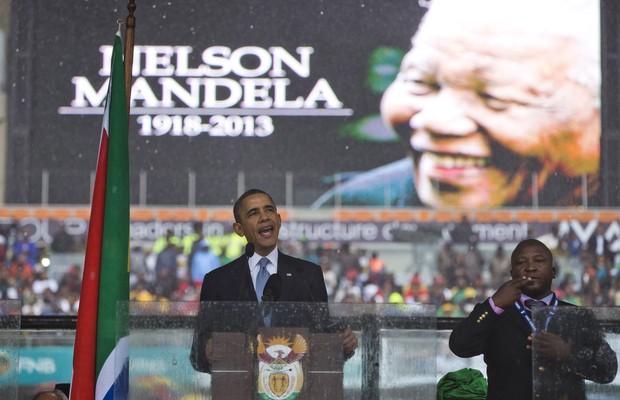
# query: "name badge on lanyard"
528,319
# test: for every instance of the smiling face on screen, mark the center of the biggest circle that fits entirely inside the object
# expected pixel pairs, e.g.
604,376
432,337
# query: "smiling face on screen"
482,106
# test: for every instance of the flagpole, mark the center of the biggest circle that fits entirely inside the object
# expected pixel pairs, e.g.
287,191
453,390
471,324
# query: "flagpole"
130,29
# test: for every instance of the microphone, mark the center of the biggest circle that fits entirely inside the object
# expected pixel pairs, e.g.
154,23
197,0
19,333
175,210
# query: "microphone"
249,249
273,288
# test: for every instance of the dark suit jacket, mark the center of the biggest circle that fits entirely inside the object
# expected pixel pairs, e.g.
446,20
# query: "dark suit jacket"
302,281
502,339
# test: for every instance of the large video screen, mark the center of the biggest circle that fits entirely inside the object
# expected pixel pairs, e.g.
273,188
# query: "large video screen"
400,103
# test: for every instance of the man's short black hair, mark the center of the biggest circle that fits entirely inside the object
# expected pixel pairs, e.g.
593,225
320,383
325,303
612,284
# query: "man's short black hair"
243,197
531,242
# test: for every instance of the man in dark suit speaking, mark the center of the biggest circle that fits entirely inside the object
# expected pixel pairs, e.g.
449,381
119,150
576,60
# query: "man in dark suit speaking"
244,279
570,347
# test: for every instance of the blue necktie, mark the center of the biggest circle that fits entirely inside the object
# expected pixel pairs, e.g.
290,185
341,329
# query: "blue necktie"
261,278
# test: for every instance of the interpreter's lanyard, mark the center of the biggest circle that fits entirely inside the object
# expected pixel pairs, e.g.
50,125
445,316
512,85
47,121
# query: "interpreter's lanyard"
553,304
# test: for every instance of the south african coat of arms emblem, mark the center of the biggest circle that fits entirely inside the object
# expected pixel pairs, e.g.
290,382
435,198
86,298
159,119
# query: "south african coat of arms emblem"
280,373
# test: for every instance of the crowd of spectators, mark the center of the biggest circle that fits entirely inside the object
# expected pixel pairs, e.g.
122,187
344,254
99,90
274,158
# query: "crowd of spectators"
24,276
170,269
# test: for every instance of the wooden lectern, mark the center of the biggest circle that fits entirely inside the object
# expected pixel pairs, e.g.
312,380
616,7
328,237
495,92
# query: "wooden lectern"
277,363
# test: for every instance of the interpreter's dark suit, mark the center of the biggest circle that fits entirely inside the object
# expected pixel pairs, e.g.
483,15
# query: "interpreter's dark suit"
502,339
302,281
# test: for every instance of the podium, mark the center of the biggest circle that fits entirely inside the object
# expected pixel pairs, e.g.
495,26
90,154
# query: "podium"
10,321
590,365
278,363
284,351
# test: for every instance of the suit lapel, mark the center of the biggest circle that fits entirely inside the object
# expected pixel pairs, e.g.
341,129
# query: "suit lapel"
519,320
287,271
240,275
